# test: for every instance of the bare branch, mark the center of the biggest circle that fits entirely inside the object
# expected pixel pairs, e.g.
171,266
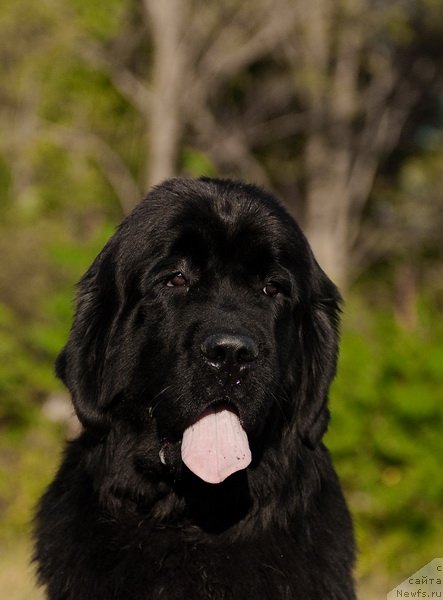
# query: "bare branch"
132,88
383,130
228,147
112,166
279,128
226,56
128,84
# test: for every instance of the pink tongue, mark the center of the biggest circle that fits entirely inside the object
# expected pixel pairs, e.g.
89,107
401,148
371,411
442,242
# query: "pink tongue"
216,446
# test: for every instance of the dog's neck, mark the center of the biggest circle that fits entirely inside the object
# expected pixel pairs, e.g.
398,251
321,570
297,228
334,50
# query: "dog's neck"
150,489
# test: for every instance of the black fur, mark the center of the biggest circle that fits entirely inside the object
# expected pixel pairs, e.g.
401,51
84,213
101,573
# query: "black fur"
116,523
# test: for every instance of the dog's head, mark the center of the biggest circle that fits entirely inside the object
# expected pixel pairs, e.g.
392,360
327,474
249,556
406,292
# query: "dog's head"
206,307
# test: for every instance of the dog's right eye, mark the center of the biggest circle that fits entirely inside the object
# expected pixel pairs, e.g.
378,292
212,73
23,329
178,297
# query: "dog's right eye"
177,280
272,289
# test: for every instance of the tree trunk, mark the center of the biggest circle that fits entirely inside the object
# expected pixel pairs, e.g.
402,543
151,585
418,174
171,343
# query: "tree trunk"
164,130
328,201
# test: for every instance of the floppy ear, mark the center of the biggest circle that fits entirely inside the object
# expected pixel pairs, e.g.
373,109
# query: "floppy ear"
318,330
83,364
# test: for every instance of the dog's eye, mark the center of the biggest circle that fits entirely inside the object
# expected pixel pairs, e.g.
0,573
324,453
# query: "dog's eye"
272,289
177,280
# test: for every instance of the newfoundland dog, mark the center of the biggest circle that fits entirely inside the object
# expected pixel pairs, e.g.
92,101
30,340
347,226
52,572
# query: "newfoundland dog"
199,361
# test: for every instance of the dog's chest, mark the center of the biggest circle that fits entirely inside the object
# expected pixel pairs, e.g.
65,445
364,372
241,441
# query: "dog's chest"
176,569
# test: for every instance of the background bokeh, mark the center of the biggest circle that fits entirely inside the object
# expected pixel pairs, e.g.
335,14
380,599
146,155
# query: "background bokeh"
336,106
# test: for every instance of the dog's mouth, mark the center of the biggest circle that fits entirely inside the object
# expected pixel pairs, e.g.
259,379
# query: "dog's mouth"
215,446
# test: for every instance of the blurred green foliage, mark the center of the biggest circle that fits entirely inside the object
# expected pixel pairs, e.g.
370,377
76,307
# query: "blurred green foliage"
36,305
385,434
36,300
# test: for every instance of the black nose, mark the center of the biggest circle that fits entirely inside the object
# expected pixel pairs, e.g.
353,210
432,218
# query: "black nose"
229,350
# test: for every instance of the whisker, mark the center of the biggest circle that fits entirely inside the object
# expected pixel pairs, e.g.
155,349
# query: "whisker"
158,398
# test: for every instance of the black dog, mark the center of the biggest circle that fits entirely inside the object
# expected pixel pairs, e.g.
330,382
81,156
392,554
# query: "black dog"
203,346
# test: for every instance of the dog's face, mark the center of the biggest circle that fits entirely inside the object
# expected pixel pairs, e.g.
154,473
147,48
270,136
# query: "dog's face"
206,301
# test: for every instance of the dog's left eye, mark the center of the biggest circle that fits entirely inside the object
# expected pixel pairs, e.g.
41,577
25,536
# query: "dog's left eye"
177,280
272,289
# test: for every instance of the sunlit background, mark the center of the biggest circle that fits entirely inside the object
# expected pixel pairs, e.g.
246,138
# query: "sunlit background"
336,106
